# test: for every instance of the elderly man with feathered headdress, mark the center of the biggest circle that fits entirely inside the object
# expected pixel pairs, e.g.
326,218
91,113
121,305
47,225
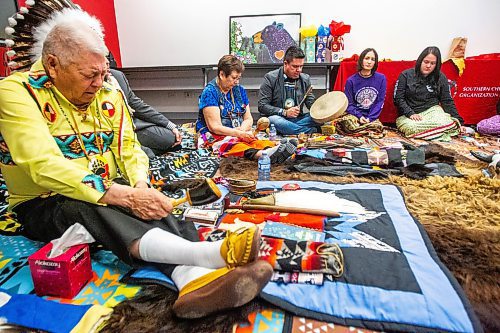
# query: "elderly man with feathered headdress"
66,133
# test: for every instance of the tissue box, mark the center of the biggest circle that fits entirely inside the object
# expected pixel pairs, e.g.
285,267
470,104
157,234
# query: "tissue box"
62,276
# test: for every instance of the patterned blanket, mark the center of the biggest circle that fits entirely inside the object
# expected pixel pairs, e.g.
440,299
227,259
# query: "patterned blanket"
435,125
184,164
104,289
393,278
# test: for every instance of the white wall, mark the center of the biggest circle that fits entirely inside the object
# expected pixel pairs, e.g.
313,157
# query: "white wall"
196,32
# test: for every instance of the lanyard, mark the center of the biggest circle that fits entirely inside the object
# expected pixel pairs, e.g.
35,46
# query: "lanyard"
98,139
236,122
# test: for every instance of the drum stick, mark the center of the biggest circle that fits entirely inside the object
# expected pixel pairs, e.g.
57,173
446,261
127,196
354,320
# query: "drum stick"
305,96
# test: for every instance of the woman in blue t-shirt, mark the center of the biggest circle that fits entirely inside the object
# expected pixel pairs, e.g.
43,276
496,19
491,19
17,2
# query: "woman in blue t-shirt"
224,119
365,91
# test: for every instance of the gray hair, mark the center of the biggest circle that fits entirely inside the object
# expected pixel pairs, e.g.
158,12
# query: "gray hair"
66,34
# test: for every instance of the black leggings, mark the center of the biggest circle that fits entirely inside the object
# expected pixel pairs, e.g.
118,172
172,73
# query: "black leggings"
250,153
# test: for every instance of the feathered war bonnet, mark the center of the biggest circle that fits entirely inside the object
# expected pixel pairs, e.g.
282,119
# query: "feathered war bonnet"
29,28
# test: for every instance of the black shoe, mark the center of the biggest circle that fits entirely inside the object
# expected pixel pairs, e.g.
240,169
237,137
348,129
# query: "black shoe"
482,156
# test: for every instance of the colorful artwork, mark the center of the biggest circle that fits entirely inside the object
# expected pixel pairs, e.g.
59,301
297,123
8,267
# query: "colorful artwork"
260,39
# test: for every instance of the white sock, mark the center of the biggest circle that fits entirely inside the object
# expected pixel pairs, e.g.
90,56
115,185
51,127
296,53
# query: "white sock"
183,274
495,160
272,150
161,246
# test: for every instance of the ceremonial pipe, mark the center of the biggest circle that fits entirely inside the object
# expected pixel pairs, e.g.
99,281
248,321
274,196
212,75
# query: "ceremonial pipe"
283,209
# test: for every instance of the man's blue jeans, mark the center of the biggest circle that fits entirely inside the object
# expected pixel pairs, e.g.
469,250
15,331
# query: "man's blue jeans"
290,126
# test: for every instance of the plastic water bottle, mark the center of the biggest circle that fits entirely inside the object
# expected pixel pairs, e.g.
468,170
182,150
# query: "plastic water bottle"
264,166
272,133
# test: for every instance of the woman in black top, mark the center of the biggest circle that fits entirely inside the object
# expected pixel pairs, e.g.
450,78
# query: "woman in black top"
422,97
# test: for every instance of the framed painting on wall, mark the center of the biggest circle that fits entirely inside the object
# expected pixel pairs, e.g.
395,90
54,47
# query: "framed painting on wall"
263,39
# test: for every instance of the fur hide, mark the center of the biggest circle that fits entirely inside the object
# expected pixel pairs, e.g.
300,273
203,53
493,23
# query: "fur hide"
473,256
151,312
435,153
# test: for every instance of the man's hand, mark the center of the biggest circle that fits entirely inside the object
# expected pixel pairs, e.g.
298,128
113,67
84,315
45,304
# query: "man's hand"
150,204
416,117
178,137
364,120
145,203
293,112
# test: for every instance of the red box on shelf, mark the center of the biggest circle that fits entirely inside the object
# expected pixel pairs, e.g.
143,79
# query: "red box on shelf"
62,276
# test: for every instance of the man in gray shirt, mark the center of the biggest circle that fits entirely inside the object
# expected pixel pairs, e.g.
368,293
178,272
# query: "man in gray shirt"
155,132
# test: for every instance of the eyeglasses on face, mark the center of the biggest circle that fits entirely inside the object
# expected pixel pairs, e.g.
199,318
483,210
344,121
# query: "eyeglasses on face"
234,77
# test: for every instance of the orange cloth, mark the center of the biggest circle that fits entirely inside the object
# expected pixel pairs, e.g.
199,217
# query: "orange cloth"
239,148
316,222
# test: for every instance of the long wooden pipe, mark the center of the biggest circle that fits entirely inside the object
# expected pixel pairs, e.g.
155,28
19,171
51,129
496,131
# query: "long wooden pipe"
283,209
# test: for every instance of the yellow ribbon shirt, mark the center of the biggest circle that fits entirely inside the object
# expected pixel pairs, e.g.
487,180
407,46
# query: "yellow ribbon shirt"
40,153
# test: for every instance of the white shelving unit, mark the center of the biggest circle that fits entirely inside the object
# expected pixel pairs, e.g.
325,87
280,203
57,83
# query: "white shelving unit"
174,90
